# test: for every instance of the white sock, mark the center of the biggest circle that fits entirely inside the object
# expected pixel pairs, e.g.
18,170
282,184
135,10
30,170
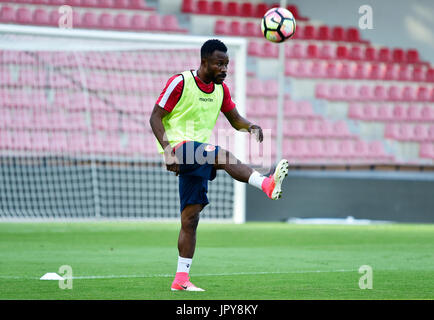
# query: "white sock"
256,179
184,264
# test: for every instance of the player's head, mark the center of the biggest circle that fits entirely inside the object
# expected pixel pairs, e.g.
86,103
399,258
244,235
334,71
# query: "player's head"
214,60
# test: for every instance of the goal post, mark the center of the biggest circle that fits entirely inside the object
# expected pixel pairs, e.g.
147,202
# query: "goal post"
75,140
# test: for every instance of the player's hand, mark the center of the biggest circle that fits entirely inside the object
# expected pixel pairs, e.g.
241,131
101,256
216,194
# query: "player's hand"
257,131
172,162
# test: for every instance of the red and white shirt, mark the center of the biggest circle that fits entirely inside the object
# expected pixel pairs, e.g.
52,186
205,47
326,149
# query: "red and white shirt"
171,93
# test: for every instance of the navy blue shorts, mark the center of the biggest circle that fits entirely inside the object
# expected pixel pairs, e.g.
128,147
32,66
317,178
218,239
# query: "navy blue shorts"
196,168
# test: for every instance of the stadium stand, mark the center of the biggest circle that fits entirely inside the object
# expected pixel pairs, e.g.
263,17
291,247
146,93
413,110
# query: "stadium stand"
360,103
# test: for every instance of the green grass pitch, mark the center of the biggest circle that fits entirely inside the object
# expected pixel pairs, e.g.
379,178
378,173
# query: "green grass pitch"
258,261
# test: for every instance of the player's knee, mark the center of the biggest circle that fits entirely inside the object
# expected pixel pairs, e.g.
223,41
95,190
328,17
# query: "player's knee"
190,223
225,157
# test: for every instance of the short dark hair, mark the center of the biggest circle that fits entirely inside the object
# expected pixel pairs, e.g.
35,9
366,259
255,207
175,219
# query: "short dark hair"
210,46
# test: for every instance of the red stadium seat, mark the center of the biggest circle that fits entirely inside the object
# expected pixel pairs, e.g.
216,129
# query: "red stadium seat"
309,32
365,92
412,56
394,93
384,55
338,34
380,93
347,71
317,69
341,52
202,7
24,16
362,71
7,14
376,72
247,9
398,55
232,8
350,92
323,33
217,8
430,75
260,9
234,28
251,29
332,70
418,74
370,54
404,73
423,94
408,94
270,50
187,6
41,17
106,3
298,51
399,113
137,4
106,21
352,35
391,72
312,51
294,10
170,23
89,3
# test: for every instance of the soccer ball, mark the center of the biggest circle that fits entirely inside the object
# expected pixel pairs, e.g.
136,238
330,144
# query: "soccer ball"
278,25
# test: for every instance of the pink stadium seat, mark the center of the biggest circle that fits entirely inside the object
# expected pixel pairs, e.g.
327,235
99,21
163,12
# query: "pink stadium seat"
331,148
24,16
326,52
234,28
399,113
365,92
340,129
369,112
89,3
232,8
385,113
260,9
380,93
137,4
420,132
302,69
394,93
376,72
41,17
384,55
251,29
355,53
106,21
293,128
409,94
338,34
309,32
332,70
202,7
253,48
361,148
314,149
414,113
7,14
321,91
418,74
391,131
170,23
426,150
220,27
317,69
138,22
247,9
106,3
154,22
270,50
423,94
355,111
341,52
89,20
217,7
346,149
362,71
391,72
122,21
347,71
312,51
323,33
376,150
325,129
405,132
336,92
412,56
404,73
350,92
298,51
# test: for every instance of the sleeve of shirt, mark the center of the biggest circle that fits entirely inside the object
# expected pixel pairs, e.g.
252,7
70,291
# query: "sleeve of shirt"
171,93
227,104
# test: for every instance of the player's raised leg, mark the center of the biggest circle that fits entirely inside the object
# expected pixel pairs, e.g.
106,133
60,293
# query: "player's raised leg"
186,247
272,185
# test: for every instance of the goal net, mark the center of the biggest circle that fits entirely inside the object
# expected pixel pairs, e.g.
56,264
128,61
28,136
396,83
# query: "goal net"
75,140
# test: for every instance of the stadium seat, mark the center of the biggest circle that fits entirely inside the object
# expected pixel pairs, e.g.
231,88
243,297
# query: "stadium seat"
321,91
220,27
137,4
89,20
232,8
426,150
412,56
355,111
423,94
336,92
365,93
385,113
352,35
251,29
341,52
312,51
154,22
41,17
298,51
347,71
260,9
7,14
338,34
332,71
376,71
414,113
202,7
187,6
420,132
323,33
394,93
399,113
317,69
430,75
384,55
106,21
309,32
270,50
247,9
326,52
361,71
171,23
408,94
24,15
418,74
217,8
370,54
355,53
398,55
89,3
253,48
122,21
404,73
293,128
391,72
234,28
346,149
380,93
350,92
138,22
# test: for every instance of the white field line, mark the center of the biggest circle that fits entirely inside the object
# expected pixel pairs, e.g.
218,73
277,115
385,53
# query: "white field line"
90,277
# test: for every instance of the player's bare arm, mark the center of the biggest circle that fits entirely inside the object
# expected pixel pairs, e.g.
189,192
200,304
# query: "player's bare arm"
158,113
240,123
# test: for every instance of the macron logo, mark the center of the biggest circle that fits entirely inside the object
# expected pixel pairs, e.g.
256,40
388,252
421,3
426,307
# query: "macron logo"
206,99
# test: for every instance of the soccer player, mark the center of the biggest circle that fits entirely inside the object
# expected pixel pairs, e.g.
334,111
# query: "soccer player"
182,120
